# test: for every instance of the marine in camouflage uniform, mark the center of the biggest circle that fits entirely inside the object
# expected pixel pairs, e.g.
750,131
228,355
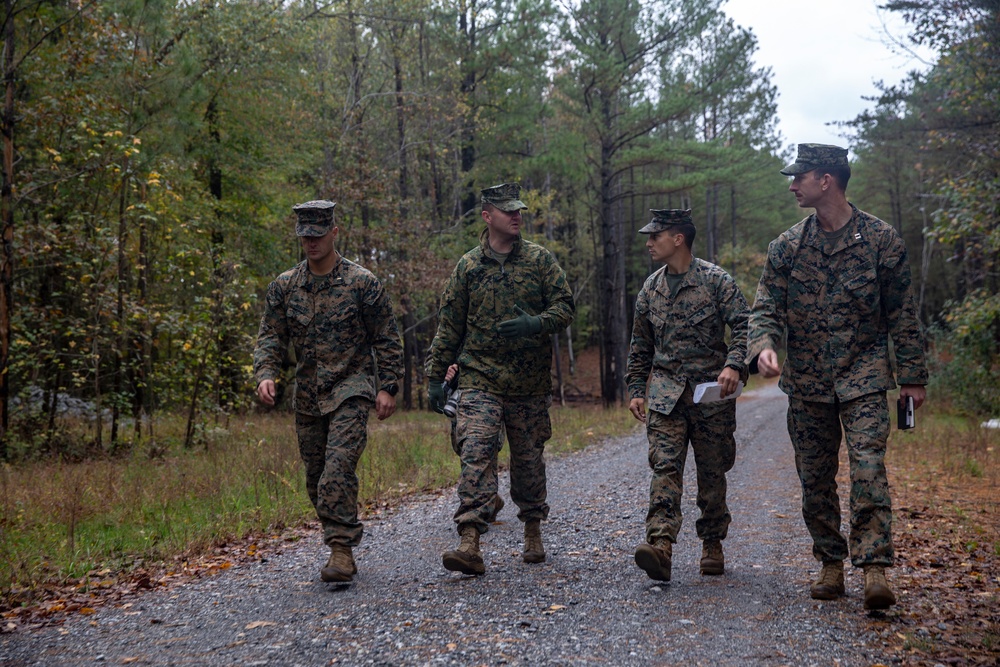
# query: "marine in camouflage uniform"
678,341
501,304
836,286
338,317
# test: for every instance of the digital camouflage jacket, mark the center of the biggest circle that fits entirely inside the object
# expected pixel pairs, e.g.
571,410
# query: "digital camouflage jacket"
478,296
343,331
838,309
680,339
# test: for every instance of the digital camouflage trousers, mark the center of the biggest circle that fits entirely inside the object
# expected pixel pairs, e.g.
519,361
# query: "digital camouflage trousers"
815,431
330,447
481,418
492,470
709,427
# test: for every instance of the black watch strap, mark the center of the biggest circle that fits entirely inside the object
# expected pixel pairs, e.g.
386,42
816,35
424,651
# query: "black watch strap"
391,389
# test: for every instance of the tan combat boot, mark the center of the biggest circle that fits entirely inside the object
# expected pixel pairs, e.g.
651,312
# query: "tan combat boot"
533,552
712,560
878,595
341,565
655,559
830,584
467,559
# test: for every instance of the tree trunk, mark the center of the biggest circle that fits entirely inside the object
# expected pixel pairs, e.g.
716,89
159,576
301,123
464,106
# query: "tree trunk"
404,192
732,226
409,350
560,386
467,24
613,280
228,376
569,350
7,222
122,285
142,343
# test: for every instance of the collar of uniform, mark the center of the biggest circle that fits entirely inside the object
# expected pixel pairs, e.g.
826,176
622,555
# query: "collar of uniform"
690,278
853,234
484,245
313,283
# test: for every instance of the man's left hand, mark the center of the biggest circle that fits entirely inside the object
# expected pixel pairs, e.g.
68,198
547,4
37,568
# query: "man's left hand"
917,391
385,405
521,326
728,380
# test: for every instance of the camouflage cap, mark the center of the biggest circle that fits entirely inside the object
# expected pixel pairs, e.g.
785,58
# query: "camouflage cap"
664,218
504,196
814,156
315,218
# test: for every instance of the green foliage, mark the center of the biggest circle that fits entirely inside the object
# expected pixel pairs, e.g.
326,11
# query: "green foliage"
929,151
966,359
161,146
745,265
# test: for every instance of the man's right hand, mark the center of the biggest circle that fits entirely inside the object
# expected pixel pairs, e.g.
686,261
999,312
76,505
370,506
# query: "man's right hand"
767,363
637,406
265,392
435,395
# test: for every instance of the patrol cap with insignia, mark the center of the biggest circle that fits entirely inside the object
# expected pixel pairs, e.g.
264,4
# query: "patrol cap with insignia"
315,218
664,218
815,156
504,196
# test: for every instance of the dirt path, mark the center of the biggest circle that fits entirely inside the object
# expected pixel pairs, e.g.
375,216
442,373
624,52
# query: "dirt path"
587,605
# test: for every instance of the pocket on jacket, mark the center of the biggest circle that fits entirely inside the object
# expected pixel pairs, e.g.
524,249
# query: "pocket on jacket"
300,316
806,278
704,322
862,286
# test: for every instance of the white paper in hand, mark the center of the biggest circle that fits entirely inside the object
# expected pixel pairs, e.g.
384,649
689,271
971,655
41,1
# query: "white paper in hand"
710,392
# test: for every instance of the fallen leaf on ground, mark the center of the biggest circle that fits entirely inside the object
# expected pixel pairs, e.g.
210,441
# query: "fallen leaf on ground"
258,624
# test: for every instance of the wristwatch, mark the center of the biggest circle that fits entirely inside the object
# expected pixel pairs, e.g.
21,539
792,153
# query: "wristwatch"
391,389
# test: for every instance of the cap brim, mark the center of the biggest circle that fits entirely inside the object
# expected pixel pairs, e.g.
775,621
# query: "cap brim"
312,230
511,205
797,168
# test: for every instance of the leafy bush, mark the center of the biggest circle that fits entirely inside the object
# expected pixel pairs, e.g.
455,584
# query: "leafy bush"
965,364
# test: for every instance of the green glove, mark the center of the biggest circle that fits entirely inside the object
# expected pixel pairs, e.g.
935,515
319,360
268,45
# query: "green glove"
522,325
435,395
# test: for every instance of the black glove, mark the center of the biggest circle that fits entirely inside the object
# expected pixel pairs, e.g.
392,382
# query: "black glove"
435,396
522,325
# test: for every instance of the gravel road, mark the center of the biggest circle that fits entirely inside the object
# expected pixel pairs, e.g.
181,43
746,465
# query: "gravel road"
588,604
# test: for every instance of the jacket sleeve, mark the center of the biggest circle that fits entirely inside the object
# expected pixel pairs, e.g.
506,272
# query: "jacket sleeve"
736,312
767,318
272,336
641,349
383,333
901,313
451,326
559,311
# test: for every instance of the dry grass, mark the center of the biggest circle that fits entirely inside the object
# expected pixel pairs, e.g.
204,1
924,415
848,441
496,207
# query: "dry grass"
948,460
60,520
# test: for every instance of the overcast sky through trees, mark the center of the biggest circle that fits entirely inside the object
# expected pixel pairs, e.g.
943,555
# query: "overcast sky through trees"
825,58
